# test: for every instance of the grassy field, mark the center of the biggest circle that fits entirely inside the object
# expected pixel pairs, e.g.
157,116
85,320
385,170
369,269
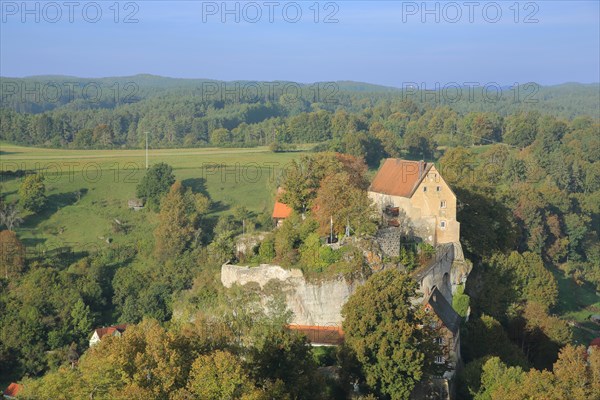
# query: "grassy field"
88,189
575,304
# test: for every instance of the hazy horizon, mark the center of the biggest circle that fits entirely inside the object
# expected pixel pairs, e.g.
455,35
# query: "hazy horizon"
432,87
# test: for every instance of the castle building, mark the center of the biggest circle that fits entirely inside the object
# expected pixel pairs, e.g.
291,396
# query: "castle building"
414,192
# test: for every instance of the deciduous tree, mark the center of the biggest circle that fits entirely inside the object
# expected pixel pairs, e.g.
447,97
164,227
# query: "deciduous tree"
155,184
338,200
12,258
179,213
10,215
388,333
32,193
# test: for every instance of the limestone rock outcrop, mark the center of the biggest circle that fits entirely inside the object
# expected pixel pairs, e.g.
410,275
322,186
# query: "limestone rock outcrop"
320,303
317,303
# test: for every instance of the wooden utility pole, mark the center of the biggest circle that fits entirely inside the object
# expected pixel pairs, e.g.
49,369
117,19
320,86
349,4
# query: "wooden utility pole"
146,149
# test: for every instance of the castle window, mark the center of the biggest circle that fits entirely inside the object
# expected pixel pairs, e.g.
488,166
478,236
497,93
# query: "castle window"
439,360
443,204
438,188
424,188
443,224
439,341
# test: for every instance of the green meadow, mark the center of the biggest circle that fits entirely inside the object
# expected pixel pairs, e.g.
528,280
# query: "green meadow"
88,190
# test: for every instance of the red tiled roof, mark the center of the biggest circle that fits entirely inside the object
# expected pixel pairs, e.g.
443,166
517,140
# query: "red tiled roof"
281,210
398,177
13,389
332,335
109,330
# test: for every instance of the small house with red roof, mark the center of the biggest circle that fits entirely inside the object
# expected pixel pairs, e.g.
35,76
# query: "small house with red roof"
414,192
12,391
99,333
281,211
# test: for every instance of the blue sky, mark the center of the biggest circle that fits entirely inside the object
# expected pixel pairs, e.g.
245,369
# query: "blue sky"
379,42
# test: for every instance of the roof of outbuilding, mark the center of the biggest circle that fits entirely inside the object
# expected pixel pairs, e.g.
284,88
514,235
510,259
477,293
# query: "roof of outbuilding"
398,177
109,330
135,203
327,335
443,310
281,210
13,389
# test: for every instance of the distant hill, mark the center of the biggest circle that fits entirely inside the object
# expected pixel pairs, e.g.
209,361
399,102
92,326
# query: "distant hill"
38,94
364,87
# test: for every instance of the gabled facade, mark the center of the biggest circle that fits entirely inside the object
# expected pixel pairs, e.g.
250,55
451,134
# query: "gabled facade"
414,192
115,330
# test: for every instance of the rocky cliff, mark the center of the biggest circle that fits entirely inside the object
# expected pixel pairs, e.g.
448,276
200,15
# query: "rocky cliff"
312,303
321,303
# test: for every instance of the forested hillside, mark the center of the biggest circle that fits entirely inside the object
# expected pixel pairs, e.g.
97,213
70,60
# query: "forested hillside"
72,112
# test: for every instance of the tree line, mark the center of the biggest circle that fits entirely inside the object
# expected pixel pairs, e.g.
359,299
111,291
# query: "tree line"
179,114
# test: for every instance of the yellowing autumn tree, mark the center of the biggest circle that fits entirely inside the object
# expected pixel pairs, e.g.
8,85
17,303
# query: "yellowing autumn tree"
179,212
219,375
340,201
12,254
304,177
574,377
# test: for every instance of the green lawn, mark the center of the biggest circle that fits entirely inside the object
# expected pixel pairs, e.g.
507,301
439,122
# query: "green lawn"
106,179
576,304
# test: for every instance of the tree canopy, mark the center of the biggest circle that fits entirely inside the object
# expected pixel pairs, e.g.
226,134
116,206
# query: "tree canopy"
32,193
155,184
388,334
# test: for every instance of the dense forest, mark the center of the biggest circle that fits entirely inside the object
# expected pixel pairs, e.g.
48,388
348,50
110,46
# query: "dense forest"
526,176
117,112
